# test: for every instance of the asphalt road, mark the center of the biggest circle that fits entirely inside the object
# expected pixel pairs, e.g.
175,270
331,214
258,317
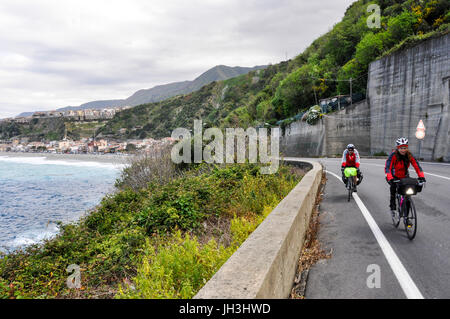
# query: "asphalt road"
370,257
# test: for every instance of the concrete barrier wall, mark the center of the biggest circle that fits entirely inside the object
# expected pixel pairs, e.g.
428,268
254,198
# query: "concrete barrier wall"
265,264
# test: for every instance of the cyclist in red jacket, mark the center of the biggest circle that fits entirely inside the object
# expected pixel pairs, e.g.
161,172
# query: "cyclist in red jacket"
350,158
397,166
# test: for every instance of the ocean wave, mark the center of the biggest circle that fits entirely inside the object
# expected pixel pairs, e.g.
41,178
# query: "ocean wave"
45,161
34,236
33,195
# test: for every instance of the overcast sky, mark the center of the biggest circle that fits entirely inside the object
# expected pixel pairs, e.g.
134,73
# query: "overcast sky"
59,53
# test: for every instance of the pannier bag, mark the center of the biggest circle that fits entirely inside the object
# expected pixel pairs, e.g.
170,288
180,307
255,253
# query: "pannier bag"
350,171
409,186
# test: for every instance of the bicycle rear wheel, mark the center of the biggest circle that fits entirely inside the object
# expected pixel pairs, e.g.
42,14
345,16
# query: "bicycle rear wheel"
410,218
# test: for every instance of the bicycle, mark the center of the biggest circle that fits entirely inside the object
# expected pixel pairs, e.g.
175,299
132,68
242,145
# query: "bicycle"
351,186
407,187
353,178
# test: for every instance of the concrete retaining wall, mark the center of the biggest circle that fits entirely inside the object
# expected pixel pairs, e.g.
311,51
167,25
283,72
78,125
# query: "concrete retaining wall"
300,139
406,87
350,125
331,134
265,264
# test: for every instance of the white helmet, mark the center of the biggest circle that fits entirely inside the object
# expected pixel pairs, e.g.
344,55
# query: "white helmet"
350,146
401,141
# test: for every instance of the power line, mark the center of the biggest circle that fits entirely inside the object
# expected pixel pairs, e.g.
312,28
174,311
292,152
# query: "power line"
380,116
332,80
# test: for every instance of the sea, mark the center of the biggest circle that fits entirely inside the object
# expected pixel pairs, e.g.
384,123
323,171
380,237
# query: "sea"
36,193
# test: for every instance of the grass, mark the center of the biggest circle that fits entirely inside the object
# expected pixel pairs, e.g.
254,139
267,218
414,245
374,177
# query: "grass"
413,40
181,265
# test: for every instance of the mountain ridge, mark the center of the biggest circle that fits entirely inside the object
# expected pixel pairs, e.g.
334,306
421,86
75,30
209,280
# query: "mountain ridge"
164,91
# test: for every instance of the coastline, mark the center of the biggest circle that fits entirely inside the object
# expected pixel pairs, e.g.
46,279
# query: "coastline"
108,158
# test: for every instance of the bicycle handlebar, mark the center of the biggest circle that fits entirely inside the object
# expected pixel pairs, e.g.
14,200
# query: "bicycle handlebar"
420,183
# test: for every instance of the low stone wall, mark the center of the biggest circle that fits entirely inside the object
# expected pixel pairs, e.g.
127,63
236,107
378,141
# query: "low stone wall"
265,264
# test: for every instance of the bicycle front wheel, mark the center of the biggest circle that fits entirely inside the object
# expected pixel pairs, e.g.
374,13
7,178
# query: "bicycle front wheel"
350,189
396,217
410,219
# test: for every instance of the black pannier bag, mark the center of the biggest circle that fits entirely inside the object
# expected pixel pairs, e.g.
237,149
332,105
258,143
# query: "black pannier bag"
406,183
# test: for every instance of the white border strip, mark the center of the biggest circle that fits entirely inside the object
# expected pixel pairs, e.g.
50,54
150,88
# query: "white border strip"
409,287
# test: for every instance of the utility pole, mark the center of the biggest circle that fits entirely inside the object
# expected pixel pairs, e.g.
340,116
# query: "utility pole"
339,99
315,96
351,97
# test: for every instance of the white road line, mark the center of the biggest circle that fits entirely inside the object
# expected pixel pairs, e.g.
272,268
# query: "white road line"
409,287
429,163
437,175
424,172
382,159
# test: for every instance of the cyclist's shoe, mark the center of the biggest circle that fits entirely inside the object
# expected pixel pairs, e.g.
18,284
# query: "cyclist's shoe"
360,178
408,223
354,189
393,213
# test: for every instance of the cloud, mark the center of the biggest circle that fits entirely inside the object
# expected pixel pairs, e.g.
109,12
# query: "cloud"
58,53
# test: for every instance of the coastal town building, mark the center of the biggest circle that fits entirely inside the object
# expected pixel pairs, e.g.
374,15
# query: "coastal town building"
76,115
86,146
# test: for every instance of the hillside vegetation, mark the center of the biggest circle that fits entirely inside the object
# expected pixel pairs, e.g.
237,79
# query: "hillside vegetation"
50,129
283,90
36,130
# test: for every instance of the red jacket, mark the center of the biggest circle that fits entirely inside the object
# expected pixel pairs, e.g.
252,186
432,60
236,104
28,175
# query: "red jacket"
350,160
397,168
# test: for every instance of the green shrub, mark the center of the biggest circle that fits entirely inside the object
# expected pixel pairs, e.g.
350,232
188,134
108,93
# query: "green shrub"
175,270
181,212
179,268
115,209
400,27
382,153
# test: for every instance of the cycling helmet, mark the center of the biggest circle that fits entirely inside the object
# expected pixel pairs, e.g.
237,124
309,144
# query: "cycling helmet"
402,141
350,147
